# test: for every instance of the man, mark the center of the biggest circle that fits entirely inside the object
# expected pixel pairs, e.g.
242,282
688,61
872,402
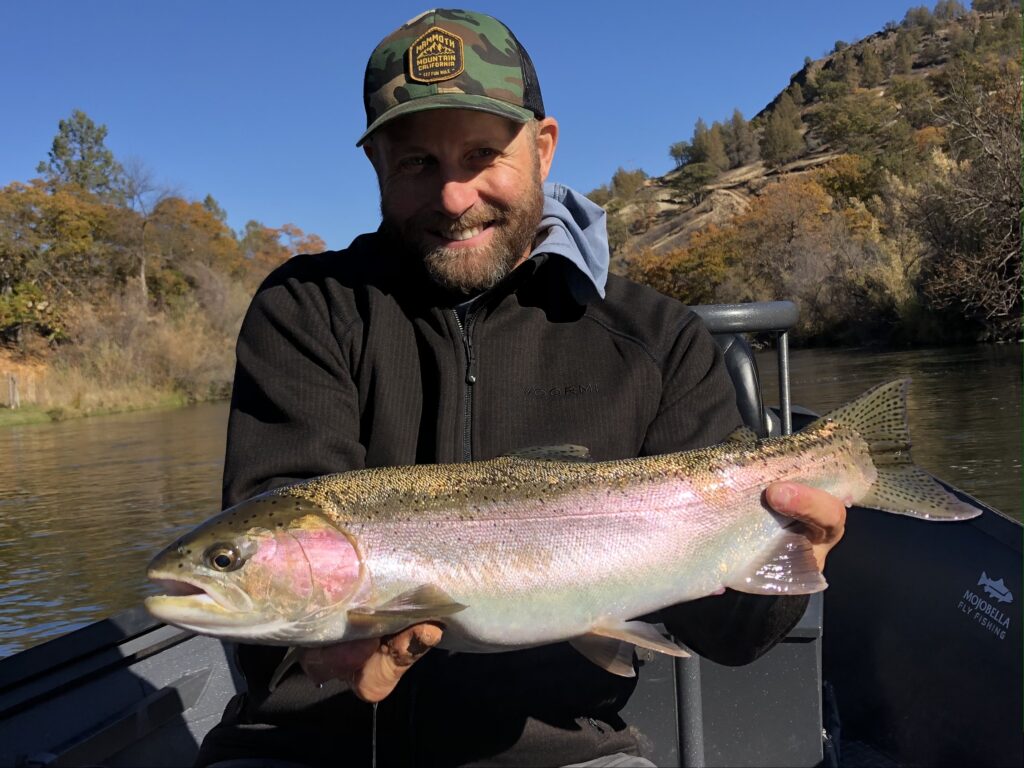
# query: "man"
478,319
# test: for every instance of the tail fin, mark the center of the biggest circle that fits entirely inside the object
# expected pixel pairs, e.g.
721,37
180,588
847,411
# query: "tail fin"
880,417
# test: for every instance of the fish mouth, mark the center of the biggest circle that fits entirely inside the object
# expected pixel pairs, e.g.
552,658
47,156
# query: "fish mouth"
193,604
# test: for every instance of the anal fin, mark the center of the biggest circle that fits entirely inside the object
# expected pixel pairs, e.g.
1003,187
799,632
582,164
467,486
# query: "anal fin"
612,655
788,567
640,633
610,645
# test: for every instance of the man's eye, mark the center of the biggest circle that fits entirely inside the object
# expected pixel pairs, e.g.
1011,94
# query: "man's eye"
485,153
413,163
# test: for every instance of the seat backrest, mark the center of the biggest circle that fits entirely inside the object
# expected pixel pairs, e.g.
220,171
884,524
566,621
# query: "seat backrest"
742,367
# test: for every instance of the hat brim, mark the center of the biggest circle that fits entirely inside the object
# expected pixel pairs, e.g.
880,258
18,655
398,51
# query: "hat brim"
450,101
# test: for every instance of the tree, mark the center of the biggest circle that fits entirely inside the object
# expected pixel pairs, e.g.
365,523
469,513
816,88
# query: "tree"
78,156
914,99
680,152
847,69
971,217
740,143
211,205
600,195
787,110
904,60
920,17
693,179
781,141
871,70
714,148
948,10
991,6
625,184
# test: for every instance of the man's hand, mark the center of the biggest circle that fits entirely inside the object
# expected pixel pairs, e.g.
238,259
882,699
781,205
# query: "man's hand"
822,514
372,667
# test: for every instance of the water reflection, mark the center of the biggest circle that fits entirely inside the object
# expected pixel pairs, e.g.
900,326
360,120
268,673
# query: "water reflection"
964,407
85,504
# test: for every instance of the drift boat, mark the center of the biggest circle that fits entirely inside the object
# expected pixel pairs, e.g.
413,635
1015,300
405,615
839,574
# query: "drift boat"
911,657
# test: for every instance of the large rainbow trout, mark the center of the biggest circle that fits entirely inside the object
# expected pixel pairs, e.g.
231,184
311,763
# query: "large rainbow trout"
535,547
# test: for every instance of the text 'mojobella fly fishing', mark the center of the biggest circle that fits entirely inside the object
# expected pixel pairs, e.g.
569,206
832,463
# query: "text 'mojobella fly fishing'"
536,547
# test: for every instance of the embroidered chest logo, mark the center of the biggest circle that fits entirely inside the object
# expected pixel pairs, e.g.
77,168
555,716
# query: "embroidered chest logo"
565,390
436,55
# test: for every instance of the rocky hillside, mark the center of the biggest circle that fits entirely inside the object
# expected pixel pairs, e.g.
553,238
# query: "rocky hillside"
885,140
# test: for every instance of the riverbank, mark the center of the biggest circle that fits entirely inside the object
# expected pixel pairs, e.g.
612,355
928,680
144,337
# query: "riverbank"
125,358
34,414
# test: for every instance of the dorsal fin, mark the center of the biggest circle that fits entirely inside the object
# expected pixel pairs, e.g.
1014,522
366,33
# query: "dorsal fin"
565,452
743,436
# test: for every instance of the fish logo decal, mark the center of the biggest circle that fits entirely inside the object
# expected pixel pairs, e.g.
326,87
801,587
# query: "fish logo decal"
995,589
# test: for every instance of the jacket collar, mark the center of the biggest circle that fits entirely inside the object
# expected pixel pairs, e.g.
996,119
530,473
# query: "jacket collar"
575,228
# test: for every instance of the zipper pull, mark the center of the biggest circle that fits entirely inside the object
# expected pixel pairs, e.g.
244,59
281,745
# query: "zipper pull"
470,361
470,365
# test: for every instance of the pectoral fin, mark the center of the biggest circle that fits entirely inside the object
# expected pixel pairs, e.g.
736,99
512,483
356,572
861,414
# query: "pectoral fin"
291,658
423,602
788,567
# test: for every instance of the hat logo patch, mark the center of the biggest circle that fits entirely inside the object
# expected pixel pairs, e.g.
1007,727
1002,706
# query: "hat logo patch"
434,56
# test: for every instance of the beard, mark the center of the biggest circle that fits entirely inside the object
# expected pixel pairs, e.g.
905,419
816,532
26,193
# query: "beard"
471,271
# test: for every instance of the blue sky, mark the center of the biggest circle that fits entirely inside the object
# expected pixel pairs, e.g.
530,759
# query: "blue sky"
260,103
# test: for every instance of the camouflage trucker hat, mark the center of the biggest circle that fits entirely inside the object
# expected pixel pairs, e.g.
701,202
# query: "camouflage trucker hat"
450,59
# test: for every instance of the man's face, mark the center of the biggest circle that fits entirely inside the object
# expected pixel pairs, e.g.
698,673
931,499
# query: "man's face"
463,189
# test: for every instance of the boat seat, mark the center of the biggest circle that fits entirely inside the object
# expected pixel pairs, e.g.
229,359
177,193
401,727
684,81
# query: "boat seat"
742,367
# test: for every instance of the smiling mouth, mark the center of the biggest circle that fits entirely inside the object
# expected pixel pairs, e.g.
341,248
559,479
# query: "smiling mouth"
461,235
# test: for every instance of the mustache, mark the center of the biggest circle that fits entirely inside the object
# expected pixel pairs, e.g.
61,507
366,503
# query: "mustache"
438,222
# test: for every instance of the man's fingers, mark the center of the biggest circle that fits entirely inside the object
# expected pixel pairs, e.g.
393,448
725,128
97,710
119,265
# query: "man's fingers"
406,647
382,671
813,506
822,514
374,666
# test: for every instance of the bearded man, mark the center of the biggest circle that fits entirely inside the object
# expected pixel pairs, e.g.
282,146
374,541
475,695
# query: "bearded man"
478,319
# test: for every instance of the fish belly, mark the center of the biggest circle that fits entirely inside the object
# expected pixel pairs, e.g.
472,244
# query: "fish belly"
531,574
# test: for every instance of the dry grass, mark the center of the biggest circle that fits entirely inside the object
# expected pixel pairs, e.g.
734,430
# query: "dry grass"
127,356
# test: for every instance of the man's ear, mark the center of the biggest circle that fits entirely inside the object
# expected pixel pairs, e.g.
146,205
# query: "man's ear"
547,140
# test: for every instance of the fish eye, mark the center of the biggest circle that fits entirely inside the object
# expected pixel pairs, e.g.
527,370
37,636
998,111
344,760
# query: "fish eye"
223,557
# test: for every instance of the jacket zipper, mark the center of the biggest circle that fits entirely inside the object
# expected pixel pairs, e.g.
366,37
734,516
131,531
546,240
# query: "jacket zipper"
470,379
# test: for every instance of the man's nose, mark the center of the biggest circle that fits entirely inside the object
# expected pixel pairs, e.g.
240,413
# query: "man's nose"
458,192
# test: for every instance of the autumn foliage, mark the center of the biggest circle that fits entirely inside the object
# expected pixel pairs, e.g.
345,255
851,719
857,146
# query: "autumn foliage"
902,221
127,304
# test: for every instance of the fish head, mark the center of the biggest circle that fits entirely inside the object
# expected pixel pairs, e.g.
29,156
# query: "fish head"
272,569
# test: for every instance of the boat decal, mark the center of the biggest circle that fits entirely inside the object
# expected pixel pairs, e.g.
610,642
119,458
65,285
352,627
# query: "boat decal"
987,613
995,589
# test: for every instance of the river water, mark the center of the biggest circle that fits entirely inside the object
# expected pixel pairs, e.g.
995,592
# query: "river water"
85,504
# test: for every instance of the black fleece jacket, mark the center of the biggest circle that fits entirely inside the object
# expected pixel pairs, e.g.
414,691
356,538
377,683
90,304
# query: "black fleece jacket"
347,360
